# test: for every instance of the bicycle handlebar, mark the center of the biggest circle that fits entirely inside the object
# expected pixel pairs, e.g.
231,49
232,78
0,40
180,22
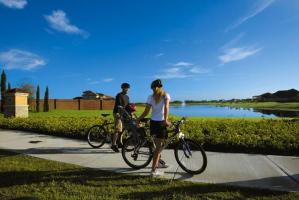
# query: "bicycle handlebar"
179,122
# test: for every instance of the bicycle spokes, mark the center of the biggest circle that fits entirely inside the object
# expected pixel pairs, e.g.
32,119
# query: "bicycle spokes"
190,156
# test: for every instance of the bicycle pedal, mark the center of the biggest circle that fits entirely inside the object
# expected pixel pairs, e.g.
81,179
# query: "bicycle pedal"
134,156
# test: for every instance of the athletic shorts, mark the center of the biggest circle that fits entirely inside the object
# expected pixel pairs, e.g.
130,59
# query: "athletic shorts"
118,125
158,128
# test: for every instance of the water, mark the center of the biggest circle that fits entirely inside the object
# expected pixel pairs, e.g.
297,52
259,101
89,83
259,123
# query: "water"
217,111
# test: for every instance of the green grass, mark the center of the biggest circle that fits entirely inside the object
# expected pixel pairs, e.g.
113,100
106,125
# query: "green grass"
24,176
259,105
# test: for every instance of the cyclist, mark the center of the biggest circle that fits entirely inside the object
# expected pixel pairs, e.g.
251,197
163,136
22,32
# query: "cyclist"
159,103
121,99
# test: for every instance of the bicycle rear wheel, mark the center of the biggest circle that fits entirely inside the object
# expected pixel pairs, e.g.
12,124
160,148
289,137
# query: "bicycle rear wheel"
137,154
190,156
96,136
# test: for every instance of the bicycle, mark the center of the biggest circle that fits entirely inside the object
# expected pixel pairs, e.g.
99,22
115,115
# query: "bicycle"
137,150
100,134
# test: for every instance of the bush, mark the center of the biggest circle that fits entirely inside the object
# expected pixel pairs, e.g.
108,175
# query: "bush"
226,135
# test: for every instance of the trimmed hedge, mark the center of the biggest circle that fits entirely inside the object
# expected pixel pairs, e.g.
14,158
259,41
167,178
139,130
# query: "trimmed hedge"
253,136
227,135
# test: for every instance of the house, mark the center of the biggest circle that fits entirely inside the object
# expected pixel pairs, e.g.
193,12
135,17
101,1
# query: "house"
90,95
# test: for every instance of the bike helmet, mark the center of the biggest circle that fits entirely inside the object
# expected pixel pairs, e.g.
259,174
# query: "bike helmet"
156,83
131,107
125,85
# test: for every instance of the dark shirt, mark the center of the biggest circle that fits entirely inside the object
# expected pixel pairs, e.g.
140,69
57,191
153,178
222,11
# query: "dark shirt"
121,99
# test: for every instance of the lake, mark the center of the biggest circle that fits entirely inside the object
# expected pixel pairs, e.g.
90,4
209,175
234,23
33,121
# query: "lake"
219,111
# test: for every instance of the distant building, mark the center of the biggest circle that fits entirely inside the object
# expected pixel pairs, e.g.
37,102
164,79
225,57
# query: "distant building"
90,95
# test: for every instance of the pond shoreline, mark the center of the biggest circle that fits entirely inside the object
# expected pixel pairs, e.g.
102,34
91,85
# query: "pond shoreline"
288,106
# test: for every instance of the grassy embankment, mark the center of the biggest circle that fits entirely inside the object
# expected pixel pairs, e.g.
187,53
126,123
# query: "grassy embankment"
258,105
25,177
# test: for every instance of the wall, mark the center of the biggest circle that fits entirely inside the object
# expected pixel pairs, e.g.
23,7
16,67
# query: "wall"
74,104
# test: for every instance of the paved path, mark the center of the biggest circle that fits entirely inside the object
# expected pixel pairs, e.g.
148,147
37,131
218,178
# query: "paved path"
253,170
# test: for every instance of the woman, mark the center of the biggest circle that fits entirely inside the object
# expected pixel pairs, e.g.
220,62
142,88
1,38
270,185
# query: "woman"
159,103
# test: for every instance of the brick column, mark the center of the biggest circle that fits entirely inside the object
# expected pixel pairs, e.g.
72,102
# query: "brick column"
16,104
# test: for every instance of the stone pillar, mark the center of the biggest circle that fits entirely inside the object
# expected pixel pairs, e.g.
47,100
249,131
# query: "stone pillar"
16,103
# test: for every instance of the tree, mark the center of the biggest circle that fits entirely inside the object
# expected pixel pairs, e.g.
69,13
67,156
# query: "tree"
8,86
28,88
37,99
3,89
46,100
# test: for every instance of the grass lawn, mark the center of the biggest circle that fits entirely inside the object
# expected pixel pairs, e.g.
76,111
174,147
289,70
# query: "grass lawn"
24,176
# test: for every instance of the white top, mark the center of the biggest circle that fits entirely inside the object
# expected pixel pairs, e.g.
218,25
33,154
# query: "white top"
157,109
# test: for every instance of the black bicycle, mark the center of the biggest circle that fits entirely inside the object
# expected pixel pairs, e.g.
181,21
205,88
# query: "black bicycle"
137,150
100,134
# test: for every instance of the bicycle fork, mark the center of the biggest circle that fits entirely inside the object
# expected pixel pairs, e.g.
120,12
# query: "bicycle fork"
136,150
186,147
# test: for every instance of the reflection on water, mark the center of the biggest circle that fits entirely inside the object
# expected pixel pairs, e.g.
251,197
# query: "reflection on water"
220,111
278,113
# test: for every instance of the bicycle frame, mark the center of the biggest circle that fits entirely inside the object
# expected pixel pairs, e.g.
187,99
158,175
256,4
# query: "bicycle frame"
167,141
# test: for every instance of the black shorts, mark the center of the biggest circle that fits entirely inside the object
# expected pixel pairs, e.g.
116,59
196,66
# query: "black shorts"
158,128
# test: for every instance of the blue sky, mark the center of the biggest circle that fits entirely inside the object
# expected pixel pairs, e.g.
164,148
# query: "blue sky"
200,49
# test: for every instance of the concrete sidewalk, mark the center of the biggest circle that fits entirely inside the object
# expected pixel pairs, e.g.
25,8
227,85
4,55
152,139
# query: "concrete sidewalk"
250,170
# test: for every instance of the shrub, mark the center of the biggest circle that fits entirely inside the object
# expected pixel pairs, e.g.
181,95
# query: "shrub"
226,135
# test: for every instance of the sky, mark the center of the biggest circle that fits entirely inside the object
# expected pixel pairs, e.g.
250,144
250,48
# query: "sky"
200,49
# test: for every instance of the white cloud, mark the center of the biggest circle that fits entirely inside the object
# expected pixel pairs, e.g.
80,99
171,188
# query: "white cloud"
181,72
20,59
94,82
59,22
186,64
15,4
259,7
159,55
198,70
233,42
108,79
234,54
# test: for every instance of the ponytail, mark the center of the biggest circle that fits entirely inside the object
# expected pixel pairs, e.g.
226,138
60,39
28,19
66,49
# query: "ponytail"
159,93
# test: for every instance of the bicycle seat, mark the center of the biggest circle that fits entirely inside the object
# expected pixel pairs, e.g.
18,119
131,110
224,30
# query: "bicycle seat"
105,115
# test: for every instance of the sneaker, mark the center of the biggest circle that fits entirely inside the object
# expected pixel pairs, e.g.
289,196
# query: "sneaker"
157,173
162,164
114,148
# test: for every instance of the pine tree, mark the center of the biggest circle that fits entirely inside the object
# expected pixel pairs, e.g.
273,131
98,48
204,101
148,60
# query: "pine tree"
3,89
37,99
8,86
46,100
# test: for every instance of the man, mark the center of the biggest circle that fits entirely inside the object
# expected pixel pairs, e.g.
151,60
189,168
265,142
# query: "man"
121,99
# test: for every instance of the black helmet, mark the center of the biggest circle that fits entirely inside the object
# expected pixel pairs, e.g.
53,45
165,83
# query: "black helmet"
156,83
125,85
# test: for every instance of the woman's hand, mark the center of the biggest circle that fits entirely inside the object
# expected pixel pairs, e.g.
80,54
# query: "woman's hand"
167,123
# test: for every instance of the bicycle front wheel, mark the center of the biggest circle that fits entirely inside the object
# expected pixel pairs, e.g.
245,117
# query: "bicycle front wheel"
137,154
96,136
190,156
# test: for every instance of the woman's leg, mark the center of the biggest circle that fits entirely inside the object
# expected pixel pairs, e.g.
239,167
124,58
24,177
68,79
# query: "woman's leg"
157,153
